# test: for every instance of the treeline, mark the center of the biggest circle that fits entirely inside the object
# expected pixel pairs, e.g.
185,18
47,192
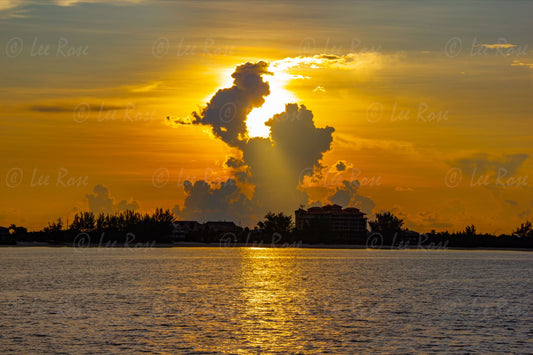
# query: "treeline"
392,232
385,229
102,228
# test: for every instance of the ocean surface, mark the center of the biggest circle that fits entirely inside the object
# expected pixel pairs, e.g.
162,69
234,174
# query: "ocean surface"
264,300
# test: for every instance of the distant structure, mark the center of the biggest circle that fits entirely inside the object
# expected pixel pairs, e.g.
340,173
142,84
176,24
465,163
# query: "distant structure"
224,227
182,229
348,224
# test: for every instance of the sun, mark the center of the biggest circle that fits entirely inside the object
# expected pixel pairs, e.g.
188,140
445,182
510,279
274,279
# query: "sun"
274,103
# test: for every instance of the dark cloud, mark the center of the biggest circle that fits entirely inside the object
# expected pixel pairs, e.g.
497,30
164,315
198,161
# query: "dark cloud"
341,166
66,108
347,196
206,201
227,111
278,164
234,163
483,163
101,202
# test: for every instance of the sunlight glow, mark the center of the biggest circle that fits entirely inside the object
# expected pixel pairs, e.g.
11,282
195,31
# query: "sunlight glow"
274,103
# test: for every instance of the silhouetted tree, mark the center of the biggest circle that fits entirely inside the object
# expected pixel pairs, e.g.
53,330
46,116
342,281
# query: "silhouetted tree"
386,224
470,231
18,232
525,230
278,223
83,222
54,227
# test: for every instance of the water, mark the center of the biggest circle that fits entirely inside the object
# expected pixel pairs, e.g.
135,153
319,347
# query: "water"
252,300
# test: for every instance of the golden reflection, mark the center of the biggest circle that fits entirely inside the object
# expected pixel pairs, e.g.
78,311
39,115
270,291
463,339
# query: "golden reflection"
272,294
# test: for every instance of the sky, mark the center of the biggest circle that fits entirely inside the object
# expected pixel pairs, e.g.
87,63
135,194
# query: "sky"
419,108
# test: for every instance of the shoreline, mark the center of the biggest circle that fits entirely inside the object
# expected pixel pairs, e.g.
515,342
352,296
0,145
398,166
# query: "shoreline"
248,245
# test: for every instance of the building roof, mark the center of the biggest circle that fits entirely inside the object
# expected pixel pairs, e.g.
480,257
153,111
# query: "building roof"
330,209
183,222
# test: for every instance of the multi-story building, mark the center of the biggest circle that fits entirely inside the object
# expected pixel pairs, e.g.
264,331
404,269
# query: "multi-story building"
347,224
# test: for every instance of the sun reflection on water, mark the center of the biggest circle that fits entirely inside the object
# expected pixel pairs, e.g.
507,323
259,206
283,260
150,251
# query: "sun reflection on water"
271,292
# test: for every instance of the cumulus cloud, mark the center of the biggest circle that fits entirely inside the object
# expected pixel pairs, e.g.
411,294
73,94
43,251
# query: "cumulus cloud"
340,166
234,163
101,202
207,201
227,111
279,163
274,167
347,196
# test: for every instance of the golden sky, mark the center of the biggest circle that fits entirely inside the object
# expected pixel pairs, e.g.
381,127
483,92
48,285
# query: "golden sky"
430,104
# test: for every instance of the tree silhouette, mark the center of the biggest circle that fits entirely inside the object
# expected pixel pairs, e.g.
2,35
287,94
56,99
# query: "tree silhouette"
387,225
83,222
277,223
525,230
470,231
54,227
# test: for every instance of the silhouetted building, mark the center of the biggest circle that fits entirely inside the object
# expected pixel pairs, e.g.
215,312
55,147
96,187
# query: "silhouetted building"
348,224
224,227
183,228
